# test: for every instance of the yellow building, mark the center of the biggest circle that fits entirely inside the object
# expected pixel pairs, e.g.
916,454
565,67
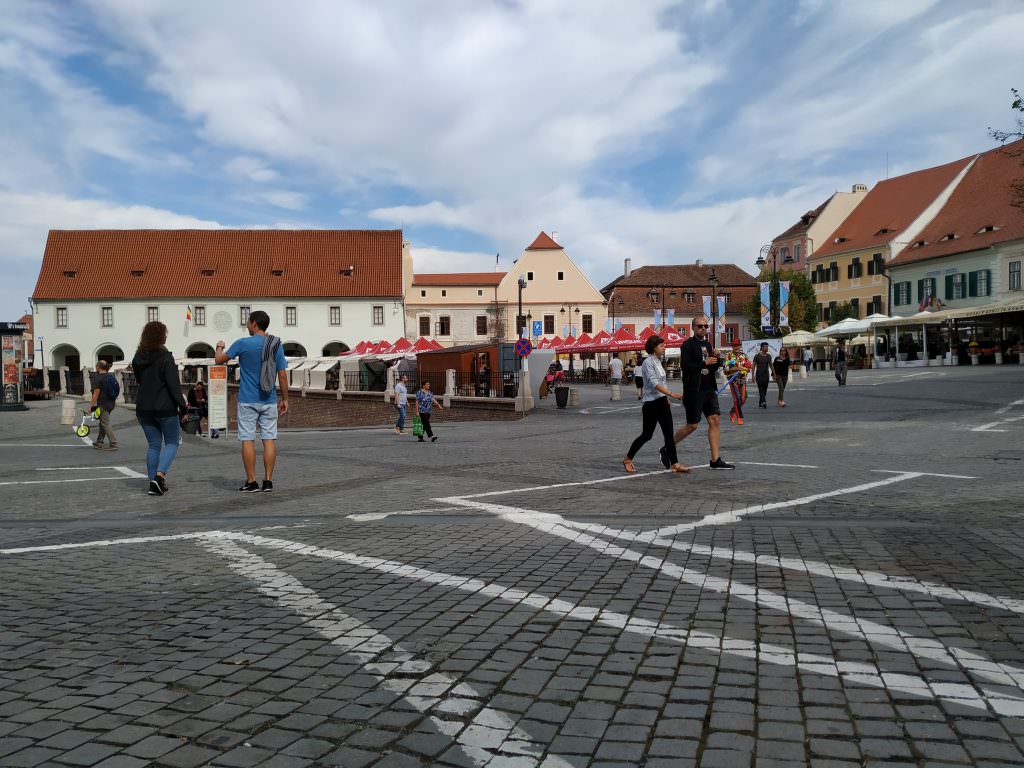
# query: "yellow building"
849,266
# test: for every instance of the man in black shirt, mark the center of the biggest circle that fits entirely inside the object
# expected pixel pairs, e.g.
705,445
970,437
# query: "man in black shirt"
700,391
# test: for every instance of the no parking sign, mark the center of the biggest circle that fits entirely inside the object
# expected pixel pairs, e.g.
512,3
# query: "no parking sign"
524,347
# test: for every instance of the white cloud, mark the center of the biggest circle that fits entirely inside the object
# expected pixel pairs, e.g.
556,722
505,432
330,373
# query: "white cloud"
427,259
279,198
249,169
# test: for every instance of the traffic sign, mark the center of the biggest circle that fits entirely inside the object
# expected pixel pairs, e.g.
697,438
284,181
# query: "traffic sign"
524,347
538,328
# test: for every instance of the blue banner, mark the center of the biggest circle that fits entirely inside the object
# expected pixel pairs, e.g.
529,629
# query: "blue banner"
707,305
721,307
671,319
766,304
657,318
784,303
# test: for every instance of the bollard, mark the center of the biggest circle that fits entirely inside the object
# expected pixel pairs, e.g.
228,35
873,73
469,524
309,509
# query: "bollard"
616,392
574,396
68,411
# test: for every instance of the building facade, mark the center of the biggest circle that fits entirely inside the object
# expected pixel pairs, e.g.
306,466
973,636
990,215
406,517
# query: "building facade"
460,307
971,253
794,246
849,266
677,293
324,290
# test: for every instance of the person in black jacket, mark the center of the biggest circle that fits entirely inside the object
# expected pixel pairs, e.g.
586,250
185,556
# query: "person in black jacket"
700,391
159,404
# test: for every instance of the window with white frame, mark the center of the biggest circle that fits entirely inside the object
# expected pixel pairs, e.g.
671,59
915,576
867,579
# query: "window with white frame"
107,317
1014,281
424,325
199,316
444,326
796,252
902,292
291,316
334,315
243,314
62,317
378,314
152,314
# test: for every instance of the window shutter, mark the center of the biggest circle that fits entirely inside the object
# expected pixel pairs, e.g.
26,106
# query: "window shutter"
972,283
920,290
988,282
949,287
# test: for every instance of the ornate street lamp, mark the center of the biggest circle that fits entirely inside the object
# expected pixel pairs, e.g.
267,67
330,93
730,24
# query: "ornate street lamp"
770,252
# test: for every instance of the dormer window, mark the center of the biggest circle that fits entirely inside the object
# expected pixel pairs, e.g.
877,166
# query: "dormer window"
883,231
206,272
841,239
138,272
70,272
277,272
949,236
987,228
348,271
920,244
277,269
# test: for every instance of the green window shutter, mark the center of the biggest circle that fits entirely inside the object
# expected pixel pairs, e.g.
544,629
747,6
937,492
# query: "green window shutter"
988,282
920,291
972,283
949,287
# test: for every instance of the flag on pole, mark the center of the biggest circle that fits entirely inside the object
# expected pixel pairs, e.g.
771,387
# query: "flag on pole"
707,305
784,303
671,319
657,318
721,308
766,304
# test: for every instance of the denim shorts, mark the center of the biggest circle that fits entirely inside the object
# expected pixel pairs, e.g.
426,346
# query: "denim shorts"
262,415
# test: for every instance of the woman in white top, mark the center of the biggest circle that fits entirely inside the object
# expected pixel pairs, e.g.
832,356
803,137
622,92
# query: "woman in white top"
656,409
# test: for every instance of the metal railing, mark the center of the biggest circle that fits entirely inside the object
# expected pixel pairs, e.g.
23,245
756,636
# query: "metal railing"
76,382
490,384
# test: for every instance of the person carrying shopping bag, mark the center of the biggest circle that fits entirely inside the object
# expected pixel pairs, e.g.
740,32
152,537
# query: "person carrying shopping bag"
159,404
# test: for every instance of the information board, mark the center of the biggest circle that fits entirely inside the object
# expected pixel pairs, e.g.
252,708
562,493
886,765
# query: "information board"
217,396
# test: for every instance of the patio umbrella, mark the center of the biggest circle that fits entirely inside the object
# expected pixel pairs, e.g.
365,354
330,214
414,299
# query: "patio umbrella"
799,339
401,346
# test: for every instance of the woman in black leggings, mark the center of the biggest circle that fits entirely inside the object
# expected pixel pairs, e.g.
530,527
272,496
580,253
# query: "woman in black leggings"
781,366
656,409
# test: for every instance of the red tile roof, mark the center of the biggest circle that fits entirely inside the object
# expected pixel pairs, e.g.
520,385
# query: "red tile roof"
543,242
804,222
242,261
459,278
982,200
687,275
889,208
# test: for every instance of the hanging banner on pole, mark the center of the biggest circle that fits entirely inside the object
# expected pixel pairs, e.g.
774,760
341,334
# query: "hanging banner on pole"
707,305
671,317
784,303
657,318
766,304
721,307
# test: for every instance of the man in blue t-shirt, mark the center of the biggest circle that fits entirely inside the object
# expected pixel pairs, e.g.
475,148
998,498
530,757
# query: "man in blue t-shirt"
260,362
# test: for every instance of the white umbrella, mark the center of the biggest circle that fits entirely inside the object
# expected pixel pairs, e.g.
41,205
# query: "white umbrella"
799,339
846,326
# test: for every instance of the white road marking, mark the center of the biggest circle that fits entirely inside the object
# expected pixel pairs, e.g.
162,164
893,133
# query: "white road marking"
105,543
991,426
126,471
43,445
723,518
1008,408
774,464
878,636
123,472
370,516
867,674
367,645
925,474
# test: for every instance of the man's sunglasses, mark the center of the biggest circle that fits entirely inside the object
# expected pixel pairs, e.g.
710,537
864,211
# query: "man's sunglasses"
702,326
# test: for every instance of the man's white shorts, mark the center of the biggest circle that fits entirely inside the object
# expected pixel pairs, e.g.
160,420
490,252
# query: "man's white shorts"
253,415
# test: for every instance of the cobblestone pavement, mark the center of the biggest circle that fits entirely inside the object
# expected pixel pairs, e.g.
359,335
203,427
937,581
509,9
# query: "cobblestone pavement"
853,594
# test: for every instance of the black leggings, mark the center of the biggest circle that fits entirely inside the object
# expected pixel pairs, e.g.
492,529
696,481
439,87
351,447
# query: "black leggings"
656,413
425,418
762,390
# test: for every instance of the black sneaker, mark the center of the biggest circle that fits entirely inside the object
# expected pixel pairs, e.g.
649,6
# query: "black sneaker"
155,489
720,464
664,457
433,439
162,482
252,487
268,486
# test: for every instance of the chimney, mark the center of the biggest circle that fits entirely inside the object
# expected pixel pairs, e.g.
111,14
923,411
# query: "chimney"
554,235
859,188
699,262
627,268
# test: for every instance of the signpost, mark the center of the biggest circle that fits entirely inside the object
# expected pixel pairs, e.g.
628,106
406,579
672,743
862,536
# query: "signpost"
11,348
538,328
524,347
217,398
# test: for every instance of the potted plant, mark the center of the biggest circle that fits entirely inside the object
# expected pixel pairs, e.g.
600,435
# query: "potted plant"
561,384
974,350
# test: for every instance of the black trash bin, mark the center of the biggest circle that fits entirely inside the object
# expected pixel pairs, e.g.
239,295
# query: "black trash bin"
561,396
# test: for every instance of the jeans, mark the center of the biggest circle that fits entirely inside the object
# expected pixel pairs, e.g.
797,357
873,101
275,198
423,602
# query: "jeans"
400,424
162,434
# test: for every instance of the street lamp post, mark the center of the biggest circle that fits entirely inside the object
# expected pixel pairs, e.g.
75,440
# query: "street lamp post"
567,311
519,317
714,308
653,295
770,252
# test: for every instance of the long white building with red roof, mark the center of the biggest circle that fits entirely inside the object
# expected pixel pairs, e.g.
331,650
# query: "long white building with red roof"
325,290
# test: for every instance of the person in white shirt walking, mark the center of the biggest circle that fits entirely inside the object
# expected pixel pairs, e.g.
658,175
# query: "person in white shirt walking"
401,403
615,375
656,411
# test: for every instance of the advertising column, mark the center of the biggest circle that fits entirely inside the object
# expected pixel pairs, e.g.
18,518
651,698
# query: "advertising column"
11,361
217,396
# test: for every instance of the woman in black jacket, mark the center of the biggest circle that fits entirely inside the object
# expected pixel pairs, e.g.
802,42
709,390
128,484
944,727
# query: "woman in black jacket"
158,404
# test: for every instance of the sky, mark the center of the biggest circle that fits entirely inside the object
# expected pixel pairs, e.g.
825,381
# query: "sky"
658,131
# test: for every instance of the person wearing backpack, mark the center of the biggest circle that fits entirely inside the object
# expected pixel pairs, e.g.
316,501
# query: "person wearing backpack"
104,396
263,370
159,404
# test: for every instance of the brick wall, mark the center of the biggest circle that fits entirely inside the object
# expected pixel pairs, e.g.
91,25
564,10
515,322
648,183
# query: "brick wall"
368,409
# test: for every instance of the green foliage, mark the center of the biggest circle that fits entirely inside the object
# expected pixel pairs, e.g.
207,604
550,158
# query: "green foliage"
1016,186
803,304
843,311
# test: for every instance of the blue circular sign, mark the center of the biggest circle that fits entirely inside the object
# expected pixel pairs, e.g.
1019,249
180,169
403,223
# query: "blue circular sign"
524,347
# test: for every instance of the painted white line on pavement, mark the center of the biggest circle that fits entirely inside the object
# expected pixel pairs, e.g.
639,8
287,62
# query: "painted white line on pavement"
360,640
105,543
43,445
866,673
63,480
1008,408
370,516
774,464
925,474
723,518
991,426
878,636
128,472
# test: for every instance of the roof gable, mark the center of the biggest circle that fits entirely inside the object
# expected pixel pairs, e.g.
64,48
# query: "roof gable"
686,275
543,242
978,214
889,208
220,263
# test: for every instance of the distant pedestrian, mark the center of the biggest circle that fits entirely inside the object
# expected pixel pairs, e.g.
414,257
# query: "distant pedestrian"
700,389
198,400
424,403
781,366
839,362
401,403
656,410
638,377
104,396
762,374
808,359
263,370
159,404
615,376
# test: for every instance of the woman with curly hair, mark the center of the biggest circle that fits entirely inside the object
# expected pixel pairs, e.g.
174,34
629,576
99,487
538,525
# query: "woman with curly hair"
159,404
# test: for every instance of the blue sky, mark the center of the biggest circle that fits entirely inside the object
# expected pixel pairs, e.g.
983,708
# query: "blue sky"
658,131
